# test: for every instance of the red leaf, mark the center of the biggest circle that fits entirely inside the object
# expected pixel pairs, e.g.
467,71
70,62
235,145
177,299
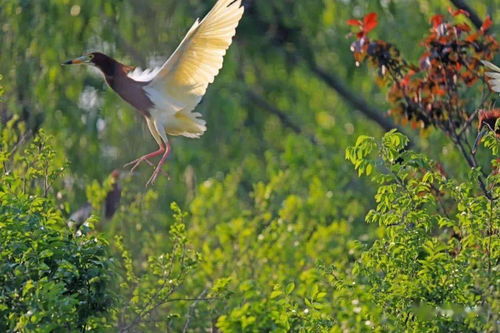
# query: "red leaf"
370,22
458,12
464,27
437,20
486,24
472,38
406,79
354,22
439,91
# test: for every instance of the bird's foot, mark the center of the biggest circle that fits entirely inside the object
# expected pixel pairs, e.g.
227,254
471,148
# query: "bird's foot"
144,158
157,171
155,174
136,163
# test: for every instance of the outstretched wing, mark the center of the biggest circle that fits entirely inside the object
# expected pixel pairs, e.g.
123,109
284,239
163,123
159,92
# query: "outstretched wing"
183,79
494,76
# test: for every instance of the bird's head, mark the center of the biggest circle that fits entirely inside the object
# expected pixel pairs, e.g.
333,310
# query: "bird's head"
91,58
106,64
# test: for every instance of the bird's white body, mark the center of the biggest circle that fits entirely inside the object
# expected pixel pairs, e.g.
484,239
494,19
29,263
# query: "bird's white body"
178,86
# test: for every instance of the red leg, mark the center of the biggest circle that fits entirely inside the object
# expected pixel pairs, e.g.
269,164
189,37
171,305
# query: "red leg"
160,164
145,158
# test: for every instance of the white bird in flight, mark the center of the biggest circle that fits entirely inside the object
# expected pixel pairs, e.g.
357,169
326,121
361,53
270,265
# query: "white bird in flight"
167,96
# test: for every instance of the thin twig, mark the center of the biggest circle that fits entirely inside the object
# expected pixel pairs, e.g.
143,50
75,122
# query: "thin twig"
469,121
192,299
473,164
147,310
189,314
490,231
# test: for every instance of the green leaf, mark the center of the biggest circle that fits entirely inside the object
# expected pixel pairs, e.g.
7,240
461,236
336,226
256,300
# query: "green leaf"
290,288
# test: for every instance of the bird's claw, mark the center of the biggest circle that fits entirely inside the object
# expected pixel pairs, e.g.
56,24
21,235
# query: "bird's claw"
155,174
136,163
163,150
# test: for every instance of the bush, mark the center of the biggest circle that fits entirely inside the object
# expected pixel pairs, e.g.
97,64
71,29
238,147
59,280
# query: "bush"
434,266
50,278
55,278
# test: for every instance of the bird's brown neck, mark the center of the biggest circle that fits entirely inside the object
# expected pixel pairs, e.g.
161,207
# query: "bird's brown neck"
111,68
130,90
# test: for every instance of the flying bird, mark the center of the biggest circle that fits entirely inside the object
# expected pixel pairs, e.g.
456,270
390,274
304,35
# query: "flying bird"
494,76
167,96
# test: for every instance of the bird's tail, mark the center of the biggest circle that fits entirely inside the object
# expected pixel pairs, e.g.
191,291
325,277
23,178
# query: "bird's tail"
188,124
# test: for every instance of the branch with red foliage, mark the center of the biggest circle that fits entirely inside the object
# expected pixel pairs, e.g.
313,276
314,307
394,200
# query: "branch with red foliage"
474,18
429,94
432,92
366,25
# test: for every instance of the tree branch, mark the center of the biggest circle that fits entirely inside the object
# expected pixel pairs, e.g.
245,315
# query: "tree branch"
472,163
475,19
189,314
283,117
355,101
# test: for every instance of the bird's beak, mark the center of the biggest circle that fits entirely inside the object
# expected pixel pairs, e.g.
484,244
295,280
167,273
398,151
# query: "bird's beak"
80,60
478,139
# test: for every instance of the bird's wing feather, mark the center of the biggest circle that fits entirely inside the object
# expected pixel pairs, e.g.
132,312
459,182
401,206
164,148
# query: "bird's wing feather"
184,77
143,75
494,76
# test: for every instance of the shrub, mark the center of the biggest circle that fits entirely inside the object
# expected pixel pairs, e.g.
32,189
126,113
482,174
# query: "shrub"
50,278
434,266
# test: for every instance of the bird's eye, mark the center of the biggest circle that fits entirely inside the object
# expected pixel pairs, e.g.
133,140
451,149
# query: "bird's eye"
91,56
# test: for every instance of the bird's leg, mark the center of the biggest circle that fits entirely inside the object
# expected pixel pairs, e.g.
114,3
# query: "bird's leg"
145,158
160,164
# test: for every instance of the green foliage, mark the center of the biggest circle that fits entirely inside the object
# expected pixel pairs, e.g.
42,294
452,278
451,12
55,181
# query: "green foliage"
145,297
491,142
50,279
55,278
434,265
269,243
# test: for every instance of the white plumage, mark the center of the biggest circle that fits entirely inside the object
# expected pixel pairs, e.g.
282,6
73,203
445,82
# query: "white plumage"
143,75
494,77
179,85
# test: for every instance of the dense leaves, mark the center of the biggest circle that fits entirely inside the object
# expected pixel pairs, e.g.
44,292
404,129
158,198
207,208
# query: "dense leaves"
50,278
434,266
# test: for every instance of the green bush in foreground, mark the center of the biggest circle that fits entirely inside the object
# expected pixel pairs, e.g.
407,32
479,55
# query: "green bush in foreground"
50,278
434,266
57,279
